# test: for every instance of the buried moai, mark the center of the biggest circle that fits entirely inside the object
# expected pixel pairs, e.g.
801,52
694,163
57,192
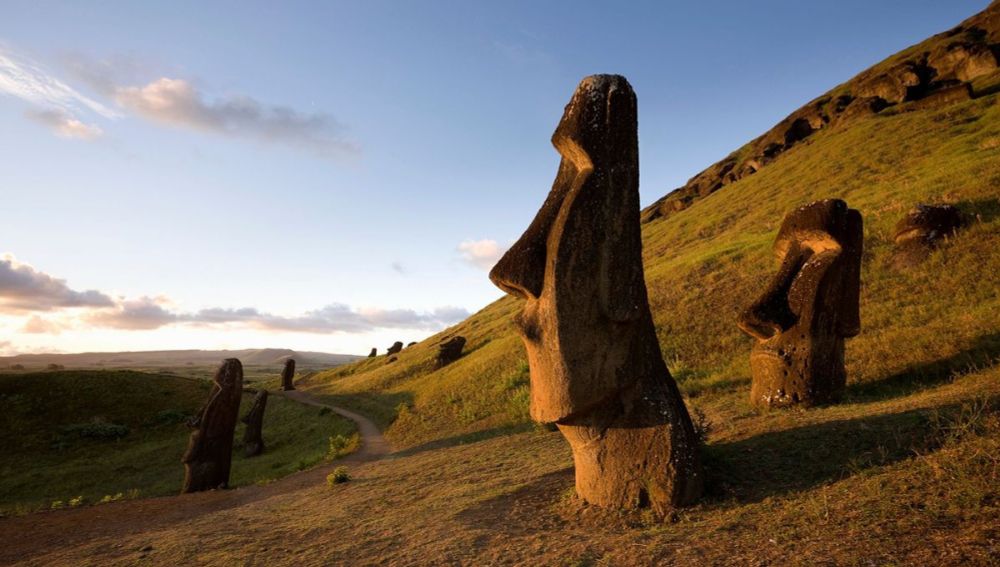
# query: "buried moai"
921,230
253,437
449,351
395,348
210,448
373,353
287,374
809,308
596,367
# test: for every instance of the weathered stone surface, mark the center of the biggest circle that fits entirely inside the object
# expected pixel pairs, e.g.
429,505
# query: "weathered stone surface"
596,367
919,232
253,437
809,308
373,353
933,74
210,448
395,348
287,375
450,350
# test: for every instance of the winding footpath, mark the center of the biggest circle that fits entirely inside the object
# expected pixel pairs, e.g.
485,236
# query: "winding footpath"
27,537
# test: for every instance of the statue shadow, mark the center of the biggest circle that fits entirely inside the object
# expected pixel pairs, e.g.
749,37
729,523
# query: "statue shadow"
792,460
984,351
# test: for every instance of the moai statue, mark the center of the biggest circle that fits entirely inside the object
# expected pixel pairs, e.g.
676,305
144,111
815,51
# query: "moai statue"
596,367
921,230
253,438
395,348
373,353
210,448
450,350
287,374
809,308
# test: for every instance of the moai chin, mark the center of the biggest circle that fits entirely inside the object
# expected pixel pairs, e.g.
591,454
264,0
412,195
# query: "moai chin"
253,437
809,308
596,367
287,374
210,448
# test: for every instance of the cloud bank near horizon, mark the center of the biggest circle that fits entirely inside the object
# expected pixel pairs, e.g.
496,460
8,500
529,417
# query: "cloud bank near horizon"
26,291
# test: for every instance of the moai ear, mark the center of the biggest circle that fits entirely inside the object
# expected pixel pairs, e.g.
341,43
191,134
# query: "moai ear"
849,321
622,285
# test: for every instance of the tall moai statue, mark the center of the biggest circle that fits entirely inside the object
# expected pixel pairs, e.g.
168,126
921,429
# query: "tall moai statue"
287,374
809,308
596,367
395,348
253,437
210,448
373,353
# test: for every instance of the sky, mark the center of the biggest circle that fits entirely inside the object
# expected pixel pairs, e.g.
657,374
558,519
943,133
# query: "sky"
334,176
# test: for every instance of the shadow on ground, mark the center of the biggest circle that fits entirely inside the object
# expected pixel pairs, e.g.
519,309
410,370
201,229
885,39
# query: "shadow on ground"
984,351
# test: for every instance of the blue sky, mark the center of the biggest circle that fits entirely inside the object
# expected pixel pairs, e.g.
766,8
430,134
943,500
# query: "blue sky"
335,176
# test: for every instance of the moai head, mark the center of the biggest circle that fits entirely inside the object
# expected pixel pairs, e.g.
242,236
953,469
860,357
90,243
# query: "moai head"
579,264
810,306
920,231
288,375
596,367
449,351
210,447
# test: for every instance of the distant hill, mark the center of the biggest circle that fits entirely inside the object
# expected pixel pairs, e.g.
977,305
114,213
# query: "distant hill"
174,358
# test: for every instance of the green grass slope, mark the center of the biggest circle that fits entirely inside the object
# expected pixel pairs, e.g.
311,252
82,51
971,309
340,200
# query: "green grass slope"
704,264
97,434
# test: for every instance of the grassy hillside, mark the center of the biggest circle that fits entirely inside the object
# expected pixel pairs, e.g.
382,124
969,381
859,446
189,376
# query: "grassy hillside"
706,263
97,434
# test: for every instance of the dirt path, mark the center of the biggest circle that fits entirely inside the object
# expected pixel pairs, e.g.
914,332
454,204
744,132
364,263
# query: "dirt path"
373,445
26,537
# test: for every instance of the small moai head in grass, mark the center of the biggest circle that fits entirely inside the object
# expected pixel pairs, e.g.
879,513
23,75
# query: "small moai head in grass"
288,374
450,350
210,448
595,363
811,305
921,230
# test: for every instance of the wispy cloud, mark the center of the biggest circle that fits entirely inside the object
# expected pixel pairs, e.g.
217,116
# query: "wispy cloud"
23,288
24,79
64,125
177,103
482,254
56,104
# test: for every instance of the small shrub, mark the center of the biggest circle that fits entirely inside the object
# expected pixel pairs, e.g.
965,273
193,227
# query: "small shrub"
57,504
325,411
338,476
341,445
75,502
